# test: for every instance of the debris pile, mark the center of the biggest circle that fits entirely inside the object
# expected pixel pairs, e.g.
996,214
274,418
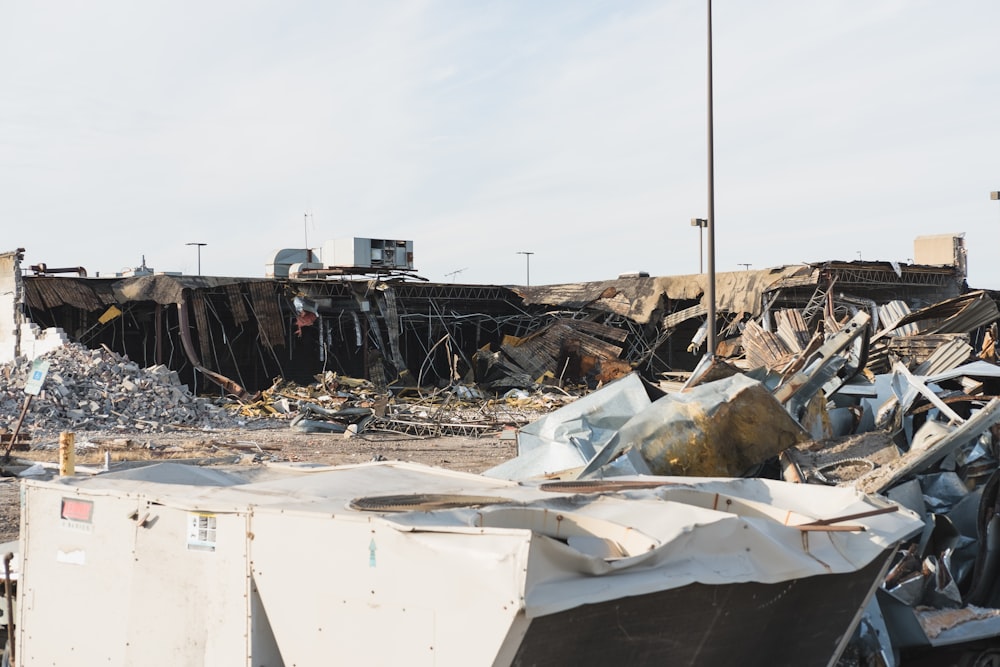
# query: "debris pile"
338,404
885,400
98,389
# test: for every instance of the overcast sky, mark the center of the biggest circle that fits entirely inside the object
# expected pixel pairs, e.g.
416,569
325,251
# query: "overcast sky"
575,130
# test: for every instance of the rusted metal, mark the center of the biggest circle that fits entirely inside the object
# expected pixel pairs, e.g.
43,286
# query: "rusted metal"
42,269
9,598
17,427
228,385
67,454
599,486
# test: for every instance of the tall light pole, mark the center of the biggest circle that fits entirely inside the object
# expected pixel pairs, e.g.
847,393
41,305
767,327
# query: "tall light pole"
711,198
527,266
701,223
199,245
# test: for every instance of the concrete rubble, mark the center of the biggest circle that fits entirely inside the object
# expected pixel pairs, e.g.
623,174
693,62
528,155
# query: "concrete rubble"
90,390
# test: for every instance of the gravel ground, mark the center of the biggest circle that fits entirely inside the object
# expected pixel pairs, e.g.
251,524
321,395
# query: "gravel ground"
254,445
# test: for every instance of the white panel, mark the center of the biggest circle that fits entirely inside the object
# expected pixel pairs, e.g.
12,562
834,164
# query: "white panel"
70,566
200,580
371,594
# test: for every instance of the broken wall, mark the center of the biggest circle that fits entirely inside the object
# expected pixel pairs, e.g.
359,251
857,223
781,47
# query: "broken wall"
10,314
18,335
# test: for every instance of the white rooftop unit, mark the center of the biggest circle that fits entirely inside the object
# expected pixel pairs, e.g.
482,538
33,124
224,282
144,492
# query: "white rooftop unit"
395,563
363,253
284,259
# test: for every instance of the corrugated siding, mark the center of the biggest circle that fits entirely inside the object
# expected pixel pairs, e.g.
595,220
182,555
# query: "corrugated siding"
270,323
50,292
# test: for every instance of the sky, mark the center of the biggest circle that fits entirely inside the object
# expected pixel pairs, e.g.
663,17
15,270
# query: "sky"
575,130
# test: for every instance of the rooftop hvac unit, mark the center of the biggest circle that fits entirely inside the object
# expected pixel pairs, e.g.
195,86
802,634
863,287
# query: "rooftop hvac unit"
284,259
362,253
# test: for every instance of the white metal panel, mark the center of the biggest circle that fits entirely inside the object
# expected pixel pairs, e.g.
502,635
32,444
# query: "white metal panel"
75,580
369,593
114,592
202,582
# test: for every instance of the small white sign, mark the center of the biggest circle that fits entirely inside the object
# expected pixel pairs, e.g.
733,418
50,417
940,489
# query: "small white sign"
201,531
74,557
39,369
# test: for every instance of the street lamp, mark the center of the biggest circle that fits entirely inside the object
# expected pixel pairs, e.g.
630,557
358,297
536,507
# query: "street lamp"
701,224
527,265
199,245
710,296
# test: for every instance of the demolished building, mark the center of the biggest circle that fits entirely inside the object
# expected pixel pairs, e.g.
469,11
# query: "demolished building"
240,334
812,352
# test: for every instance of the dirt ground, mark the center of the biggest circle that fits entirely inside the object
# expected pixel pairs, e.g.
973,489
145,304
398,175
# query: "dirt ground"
255,444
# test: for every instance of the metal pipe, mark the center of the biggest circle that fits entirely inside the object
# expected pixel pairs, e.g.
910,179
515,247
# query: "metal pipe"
228,385
710,351
42,269
12,659
17,427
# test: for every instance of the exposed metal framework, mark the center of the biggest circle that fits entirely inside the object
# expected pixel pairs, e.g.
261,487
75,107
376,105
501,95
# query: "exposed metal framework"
883,278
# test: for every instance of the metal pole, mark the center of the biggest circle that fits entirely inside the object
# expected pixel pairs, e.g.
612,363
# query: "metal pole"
527,265
701,250
711,199
198,245
8,584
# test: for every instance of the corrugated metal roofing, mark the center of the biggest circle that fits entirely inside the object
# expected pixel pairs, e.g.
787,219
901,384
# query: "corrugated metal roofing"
45,292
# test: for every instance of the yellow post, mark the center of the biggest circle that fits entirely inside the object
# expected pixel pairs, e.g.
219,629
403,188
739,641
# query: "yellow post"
67,454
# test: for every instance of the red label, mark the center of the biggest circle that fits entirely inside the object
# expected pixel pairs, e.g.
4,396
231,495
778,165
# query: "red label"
77,510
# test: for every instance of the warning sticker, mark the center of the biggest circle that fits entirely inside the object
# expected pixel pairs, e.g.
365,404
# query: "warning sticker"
201,534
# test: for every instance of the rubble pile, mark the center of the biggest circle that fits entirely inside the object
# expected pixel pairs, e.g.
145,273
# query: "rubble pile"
98,389
336,403
905,406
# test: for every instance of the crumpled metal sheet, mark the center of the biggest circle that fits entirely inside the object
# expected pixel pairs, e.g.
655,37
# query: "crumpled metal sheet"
930,444
719,428
570,436
960,314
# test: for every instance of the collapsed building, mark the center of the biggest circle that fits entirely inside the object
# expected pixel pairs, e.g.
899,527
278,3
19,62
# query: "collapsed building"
875,352
238,334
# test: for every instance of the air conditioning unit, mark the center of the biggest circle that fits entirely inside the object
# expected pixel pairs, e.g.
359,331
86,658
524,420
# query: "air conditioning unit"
364,253
284,259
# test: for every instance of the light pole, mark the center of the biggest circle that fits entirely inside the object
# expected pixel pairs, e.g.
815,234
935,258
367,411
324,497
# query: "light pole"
527,265
710,343
701,223
199,245
744,265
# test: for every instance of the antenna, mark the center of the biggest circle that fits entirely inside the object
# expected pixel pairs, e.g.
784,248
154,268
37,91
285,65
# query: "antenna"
455,273
305,229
